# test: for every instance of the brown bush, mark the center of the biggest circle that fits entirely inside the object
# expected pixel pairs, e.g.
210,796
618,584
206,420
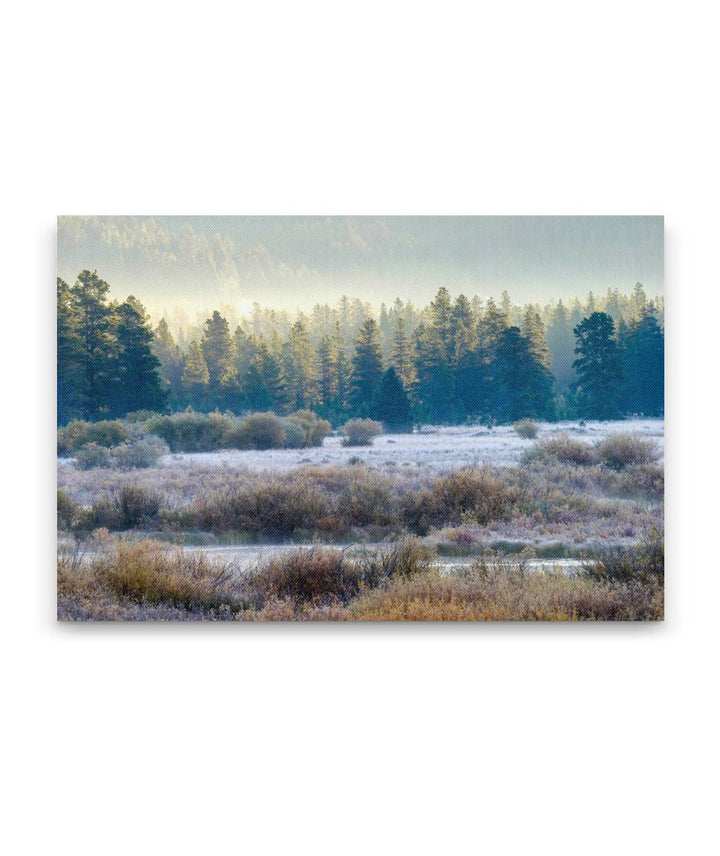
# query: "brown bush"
622,450
318,573
360,432
526,428
470,495
564,448
145,572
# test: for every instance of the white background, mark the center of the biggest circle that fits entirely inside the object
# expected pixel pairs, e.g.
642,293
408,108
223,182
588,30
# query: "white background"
346,739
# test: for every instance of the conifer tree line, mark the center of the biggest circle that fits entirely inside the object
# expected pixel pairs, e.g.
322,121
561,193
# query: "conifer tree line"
451,361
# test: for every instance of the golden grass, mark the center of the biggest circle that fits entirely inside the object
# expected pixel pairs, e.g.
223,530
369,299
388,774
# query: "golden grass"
507,596
144,581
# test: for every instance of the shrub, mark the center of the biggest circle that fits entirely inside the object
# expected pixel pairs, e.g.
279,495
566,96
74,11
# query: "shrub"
646,481
67,511
622,450
192,432
472,494
643,563
262,431
78,434
319,573
130,507
314,430
360,432
526,428
320,430
92,455
294,434
141,454
147,573
563,448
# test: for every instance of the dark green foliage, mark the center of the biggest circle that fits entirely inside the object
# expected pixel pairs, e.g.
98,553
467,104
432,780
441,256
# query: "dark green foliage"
393,405
598,367
139,385
522,386
95,328
69,358
456,361
643,354
367,370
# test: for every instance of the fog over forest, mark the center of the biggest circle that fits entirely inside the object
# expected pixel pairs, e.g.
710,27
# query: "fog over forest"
191,264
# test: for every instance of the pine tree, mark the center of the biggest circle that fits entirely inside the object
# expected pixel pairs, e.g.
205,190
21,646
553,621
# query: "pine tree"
195,376
533,330
171,363
367,370
139,386
402,354
522,385
271,373
253,390
435,386
299,367
95,330
644,370
69,357
219,353
441,322
393,405
598,367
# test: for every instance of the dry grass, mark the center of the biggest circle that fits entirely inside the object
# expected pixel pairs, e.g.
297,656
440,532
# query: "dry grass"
623,450
563,448
526,428
140,575
507,596
144,581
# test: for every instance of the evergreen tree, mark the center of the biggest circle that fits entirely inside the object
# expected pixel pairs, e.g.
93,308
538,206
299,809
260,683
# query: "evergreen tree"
522,385
69,357
253,390
219,353
139,386
367,370
95,330
273,380
171,362
435,386
598,367
644,369
402,355
463,330
441,322
195,376
533,330
393,405
299,367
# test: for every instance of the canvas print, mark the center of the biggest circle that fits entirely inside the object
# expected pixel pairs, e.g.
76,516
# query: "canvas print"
304,418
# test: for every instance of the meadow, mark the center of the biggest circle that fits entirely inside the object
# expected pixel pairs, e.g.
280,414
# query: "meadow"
465,523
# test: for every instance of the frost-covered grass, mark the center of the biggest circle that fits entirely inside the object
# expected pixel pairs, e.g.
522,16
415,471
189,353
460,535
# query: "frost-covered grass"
437,449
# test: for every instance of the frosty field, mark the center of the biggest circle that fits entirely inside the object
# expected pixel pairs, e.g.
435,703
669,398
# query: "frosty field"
434,448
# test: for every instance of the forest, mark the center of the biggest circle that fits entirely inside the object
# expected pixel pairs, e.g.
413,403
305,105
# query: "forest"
452,361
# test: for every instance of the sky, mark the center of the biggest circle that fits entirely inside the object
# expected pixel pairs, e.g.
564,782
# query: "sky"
295,262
